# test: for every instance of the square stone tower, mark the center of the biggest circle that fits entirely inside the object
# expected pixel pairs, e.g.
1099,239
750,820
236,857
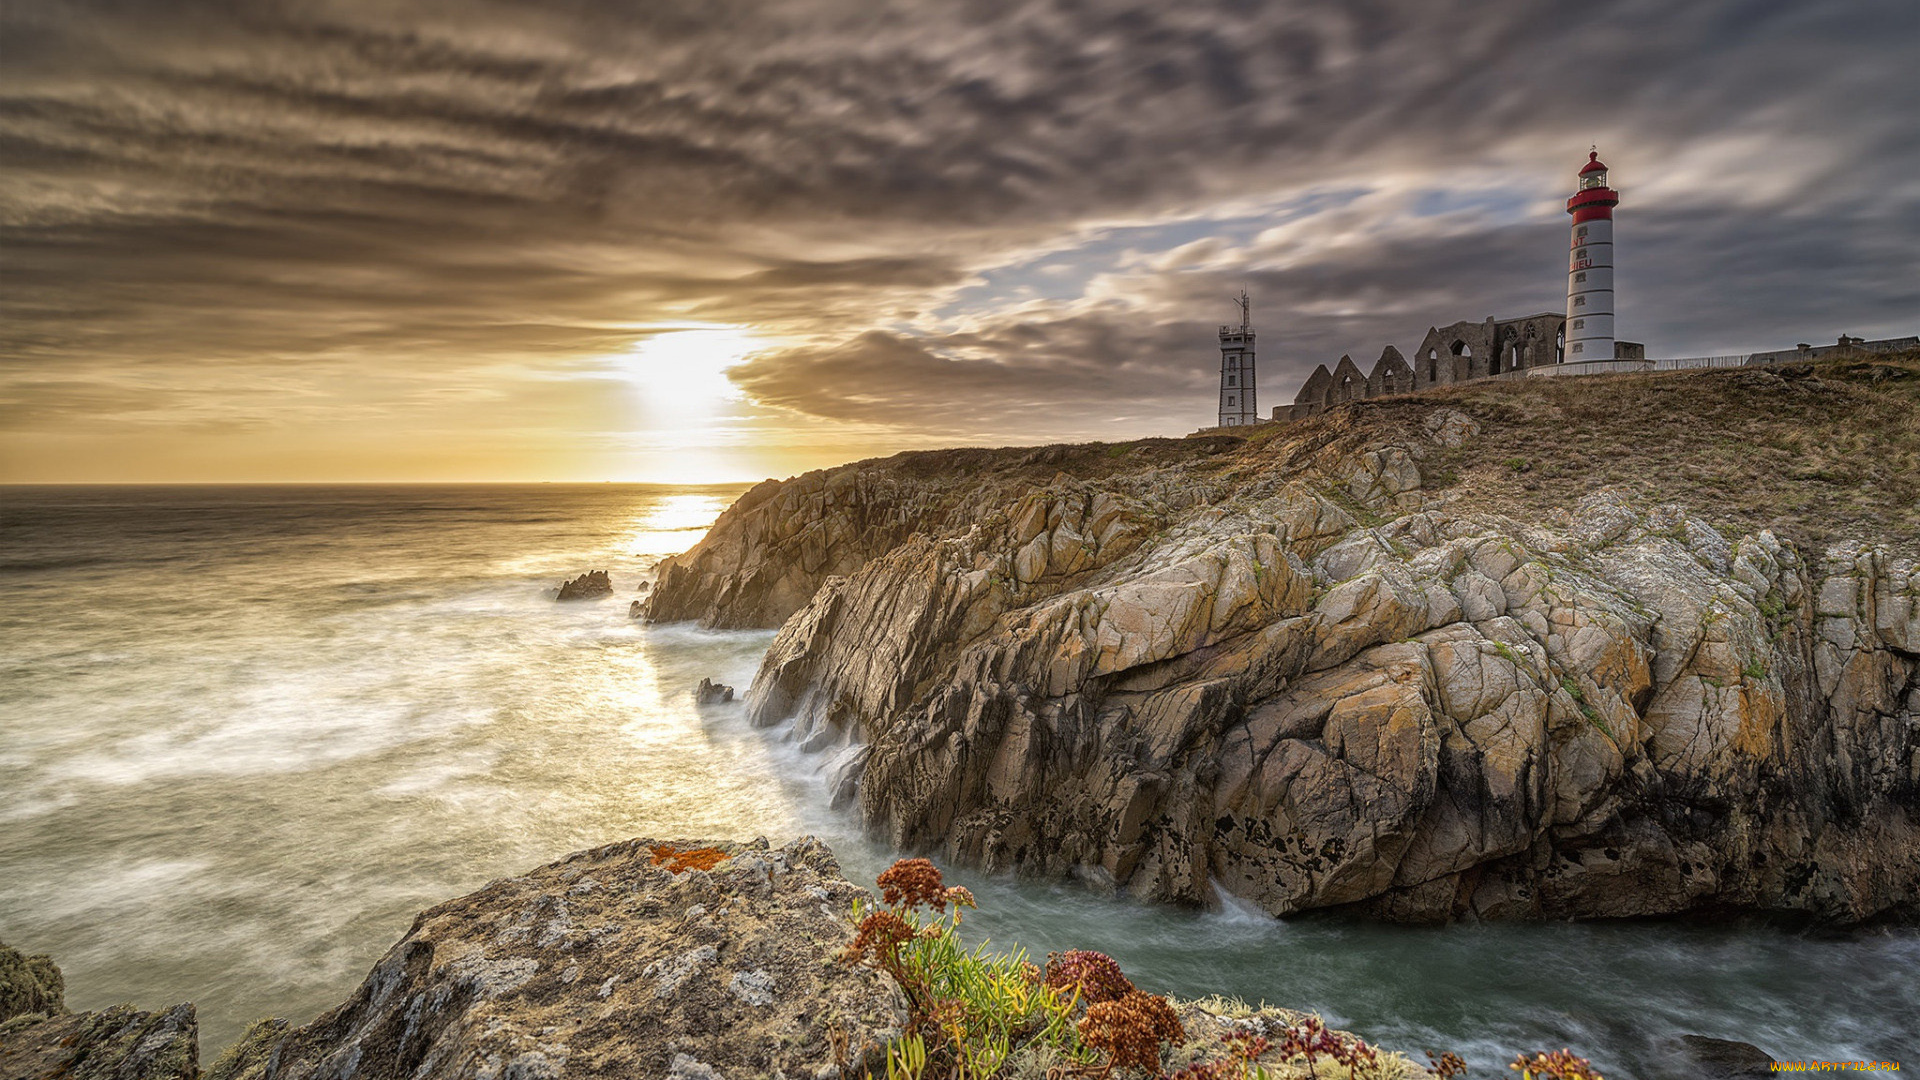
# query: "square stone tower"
1238,405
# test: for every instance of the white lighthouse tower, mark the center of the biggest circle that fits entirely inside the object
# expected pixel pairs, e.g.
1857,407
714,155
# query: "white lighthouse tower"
1237,405
1590,266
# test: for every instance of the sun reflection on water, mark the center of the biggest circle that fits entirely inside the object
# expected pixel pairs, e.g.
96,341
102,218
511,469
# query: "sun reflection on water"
673,523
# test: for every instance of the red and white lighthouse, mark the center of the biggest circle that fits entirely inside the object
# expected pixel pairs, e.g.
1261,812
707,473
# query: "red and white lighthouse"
1590,266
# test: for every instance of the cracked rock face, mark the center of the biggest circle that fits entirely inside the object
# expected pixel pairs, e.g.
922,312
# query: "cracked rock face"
604,964
1317,687
121,1043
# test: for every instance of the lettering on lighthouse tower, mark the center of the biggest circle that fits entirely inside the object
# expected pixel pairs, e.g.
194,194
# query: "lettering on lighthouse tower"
1237,401
1590,266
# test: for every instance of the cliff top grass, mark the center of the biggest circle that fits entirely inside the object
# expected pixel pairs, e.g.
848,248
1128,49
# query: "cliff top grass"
1821,453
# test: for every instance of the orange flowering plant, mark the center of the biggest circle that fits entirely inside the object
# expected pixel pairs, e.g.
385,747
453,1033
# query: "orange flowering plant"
971,1010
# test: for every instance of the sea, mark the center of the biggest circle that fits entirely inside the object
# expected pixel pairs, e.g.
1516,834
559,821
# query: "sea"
246,733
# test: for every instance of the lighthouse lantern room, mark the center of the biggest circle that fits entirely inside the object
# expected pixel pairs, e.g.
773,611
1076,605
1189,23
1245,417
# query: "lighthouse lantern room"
1590,266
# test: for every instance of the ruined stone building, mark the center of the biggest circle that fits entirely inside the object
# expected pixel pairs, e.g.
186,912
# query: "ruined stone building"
1468,350
1448,354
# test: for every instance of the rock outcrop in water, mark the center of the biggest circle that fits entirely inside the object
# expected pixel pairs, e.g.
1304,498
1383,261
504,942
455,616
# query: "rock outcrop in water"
1316,672
712,693
1723,1059
645,958
588,586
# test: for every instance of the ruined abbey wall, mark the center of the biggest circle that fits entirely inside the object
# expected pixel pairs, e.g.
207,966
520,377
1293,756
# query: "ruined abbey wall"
1448,354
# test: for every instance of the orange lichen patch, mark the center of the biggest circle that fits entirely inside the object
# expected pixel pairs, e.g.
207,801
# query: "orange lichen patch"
679,862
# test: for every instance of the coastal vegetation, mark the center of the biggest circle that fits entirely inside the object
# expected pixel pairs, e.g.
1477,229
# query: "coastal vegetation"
982,1015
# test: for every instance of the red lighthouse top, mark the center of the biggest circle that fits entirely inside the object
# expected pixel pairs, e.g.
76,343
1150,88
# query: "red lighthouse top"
1595,200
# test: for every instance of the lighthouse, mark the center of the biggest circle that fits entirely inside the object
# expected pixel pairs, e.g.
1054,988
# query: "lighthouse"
1237,406
1590,266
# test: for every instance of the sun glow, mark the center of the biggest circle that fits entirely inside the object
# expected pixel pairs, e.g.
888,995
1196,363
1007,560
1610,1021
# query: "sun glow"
689,423
681,374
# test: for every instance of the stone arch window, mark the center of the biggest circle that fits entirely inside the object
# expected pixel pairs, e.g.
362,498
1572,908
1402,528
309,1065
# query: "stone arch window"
1532,331
1513,357
1493,363
1560,340
1461,348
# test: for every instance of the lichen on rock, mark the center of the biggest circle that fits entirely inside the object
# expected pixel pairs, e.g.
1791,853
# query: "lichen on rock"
120,1043
614,962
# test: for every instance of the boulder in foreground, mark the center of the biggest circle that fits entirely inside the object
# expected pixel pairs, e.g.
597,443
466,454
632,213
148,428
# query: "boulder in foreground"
645,958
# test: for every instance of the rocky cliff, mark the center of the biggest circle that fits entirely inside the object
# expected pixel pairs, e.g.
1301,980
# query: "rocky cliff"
1364,662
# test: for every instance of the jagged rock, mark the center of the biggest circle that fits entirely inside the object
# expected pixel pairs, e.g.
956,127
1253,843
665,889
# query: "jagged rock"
588,586
1313,687
778,543
636,610
121,1043
1451,428
607,965
1723,1059
29,984
712,693
249,1058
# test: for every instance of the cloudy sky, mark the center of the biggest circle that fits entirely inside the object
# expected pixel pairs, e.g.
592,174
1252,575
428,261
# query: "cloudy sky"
653,239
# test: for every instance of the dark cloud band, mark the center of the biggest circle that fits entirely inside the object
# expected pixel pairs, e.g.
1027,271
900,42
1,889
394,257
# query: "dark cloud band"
436,188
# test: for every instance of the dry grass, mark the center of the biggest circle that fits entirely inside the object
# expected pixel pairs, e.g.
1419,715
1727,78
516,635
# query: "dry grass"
1819,452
